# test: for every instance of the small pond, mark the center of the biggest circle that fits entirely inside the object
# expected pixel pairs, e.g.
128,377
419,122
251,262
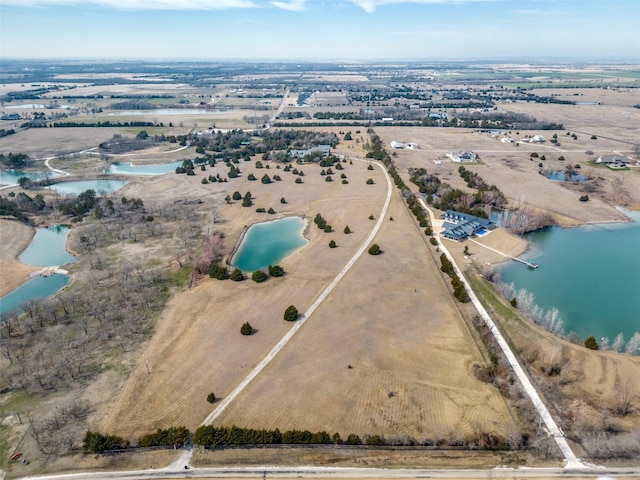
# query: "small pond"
11,177
565,176
76,187
269,243
130,169
48,248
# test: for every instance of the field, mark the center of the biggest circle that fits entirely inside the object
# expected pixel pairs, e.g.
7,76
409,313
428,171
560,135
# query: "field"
389,352
14,238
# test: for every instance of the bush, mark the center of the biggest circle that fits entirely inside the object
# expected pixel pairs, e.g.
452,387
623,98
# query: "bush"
298,180
327,229
237,275
344,182
251,177
593,137
584,198
260,210
276,271
371,217
347,230
332,244
591,343
205,181
328,178
433,241
175,437
265,179
218,272
236,196
370,167
271,211
369,181
282,200
374,249
211,398
246,329
291,314
258,276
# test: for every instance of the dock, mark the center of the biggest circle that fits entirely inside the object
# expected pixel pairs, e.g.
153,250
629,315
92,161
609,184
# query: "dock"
524,262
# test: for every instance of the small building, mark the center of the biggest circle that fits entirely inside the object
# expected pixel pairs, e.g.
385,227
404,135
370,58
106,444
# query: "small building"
299,154
466,156
458,226
537,139
397,145
11,116
614,159
507,140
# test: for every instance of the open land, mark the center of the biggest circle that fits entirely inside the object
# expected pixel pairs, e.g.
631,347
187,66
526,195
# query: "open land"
389,352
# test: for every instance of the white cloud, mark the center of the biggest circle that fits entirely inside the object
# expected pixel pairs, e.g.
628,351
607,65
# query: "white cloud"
139,4
369,6
291,5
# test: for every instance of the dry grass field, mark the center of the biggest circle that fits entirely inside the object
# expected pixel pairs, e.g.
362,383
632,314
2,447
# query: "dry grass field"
401,381
14,238
516,174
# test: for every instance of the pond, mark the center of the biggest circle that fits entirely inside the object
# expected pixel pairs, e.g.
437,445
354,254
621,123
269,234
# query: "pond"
11,177
170,111
76,187
48,248
565,176
590,274
130,169
269,243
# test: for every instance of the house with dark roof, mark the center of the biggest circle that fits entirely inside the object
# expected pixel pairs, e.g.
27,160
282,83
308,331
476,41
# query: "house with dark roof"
615,159
458,226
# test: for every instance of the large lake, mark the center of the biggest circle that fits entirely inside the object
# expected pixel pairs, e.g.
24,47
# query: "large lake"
48,248
590,274
269,243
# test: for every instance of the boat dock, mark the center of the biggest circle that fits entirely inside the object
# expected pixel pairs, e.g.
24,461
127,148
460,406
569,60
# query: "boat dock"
524,262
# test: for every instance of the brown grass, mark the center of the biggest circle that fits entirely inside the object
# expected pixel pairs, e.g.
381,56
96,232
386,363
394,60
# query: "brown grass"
14,238
393,340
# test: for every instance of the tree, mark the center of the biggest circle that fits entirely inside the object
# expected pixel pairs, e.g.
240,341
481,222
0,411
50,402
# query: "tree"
291,314
258,276
282,200
265,179
211,398
347,230
251,177
374,249
271,211
246,329
328,178
618,343
370,167
369,181
237,275
298,180
591,343
24,182
371,217
327,229
332,244
237,196
276,271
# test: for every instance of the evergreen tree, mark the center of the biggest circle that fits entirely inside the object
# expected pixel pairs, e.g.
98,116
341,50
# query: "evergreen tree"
291,314
246,329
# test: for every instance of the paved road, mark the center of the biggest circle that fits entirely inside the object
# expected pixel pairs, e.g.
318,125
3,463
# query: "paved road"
571,461
342,472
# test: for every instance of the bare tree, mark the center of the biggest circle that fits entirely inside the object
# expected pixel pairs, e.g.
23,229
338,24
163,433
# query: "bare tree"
624,397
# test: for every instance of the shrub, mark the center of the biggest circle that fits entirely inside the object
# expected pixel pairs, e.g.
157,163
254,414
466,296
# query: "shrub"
169,437
260,210
95,442
328,178
259,164
205,181
271,211
332,244
327,229
370,167
591,343
265,179
433,241
584,198
218,272
593,137
291,314
211,398
237,275
374,249
534,155
258,276
276,271
369,181
282,200
371,217
298,180
347,230
246,329
251,177
236,196
344,182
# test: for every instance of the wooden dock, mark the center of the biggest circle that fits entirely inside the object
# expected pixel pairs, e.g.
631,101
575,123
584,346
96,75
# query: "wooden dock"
524,262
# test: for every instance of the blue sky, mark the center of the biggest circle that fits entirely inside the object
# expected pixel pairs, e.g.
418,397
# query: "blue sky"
318,30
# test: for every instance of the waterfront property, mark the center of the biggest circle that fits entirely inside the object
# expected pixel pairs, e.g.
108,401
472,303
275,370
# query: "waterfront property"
458,226
615,161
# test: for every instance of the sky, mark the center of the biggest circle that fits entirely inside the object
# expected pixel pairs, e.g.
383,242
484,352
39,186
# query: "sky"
321,30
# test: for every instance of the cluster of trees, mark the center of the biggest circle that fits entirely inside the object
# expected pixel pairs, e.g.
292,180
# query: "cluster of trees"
15,161
322,223
121,144
459,290
105,124
95,442
6,132
209,436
